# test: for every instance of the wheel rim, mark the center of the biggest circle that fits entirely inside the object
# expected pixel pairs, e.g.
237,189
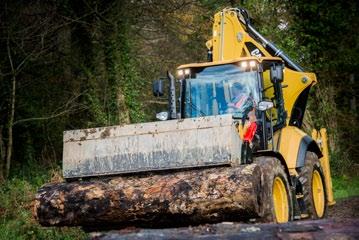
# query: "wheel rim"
280,201
318,193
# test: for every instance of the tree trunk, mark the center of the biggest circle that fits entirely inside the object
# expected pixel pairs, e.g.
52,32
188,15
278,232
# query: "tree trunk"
12,112
123,113
64,40
166,199
2,155
10,127
353,101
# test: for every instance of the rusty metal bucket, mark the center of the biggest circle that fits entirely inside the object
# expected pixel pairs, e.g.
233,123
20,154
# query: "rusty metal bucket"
174,144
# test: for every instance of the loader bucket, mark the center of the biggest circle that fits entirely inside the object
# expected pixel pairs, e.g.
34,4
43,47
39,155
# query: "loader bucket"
174,144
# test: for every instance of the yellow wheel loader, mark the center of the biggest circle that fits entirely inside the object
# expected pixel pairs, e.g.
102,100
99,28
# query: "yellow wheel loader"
230,147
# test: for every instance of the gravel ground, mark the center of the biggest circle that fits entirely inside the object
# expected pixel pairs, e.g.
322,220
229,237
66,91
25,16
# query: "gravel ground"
341,223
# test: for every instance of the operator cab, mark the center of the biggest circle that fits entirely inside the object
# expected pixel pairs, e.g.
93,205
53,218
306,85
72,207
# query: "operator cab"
231,87
222,89
248,88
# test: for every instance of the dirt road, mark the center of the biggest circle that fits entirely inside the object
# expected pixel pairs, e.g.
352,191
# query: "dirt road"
342,223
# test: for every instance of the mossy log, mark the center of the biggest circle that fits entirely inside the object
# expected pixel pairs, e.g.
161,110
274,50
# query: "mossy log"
165,199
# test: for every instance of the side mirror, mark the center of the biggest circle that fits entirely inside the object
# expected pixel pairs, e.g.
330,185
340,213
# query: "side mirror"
157,88
163,116
276,73
265,105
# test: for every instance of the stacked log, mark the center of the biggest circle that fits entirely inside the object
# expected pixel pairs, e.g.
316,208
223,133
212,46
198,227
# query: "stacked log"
162,199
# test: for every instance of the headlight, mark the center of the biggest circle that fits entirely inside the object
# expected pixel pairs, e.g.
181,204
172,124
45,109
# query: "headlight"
183,72
252,63
163,116
180,73
246,64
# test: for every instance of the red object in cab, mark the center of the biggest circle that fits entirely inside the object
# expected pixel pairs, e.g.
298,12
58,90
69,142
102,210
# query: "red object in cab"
248,136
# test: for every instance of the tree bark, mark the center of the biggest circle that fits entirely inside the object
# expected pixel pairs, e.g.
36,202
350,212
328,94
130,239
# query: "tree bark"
2,155
353,101
10,127
12,114
166,199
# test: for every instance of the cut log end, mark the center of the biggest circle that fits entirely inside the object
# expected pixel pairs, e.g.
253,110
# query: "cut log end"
171,199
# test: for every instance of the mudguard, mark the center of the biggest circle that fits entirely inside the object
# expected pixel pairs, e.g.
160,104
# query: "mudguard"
293,143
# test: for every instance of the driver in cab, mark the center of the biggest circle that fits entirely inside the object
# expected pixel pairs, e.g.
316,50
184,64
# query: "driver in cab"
241,102
244,105
240,99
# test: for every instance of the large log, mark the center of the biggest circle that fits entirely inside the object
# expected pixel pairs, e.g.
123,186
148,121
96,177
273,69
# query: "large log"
166,199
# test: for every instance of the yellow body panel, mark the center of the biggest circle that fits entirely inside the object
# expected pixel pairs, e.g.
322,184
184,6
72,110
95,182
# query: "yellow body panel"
321,138
294,84
229,37
289,141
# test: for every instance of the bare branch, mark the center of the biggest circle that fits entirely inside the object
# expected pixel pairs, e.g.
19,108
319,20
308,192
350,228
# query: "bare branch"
48,117
9,55
156,102
60,111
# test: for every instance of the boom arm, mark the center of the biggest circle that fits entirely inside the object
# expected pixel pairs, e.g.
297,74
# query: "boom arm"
234,37
239,17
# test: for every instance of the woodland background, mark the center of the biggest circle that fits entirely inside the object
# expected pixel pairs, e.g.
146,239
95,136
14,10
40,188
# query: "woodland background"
88,63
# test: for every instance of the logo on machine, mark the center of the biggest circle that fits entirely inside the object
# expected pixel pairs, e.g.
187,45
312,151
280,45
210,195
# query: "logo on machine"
256,53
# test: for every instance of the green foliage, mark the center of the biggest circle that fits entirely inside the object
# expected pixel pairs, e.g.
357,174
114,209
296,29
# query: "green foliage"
16,221
345,186
128,78
98,114
341,164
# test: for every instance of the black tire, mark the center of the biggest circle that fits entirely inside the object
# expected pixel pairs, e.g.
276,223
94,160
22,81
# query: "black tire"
270,169
305,177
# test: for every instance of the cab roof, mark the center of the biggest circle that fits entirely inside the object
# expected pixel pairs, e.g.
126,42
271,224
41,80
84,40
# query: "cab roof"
207,64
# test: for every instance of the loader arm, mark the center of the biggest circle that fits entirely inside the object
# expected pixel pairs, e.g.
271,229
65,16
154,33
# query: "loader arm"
234,37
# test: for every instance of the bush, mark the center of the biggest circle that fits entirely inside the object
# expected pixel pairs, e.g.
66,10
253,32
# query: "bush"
16,221
345,186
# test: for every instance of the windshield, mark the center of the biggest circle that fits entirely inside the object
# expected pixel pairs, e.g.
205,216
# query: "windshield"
221,90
